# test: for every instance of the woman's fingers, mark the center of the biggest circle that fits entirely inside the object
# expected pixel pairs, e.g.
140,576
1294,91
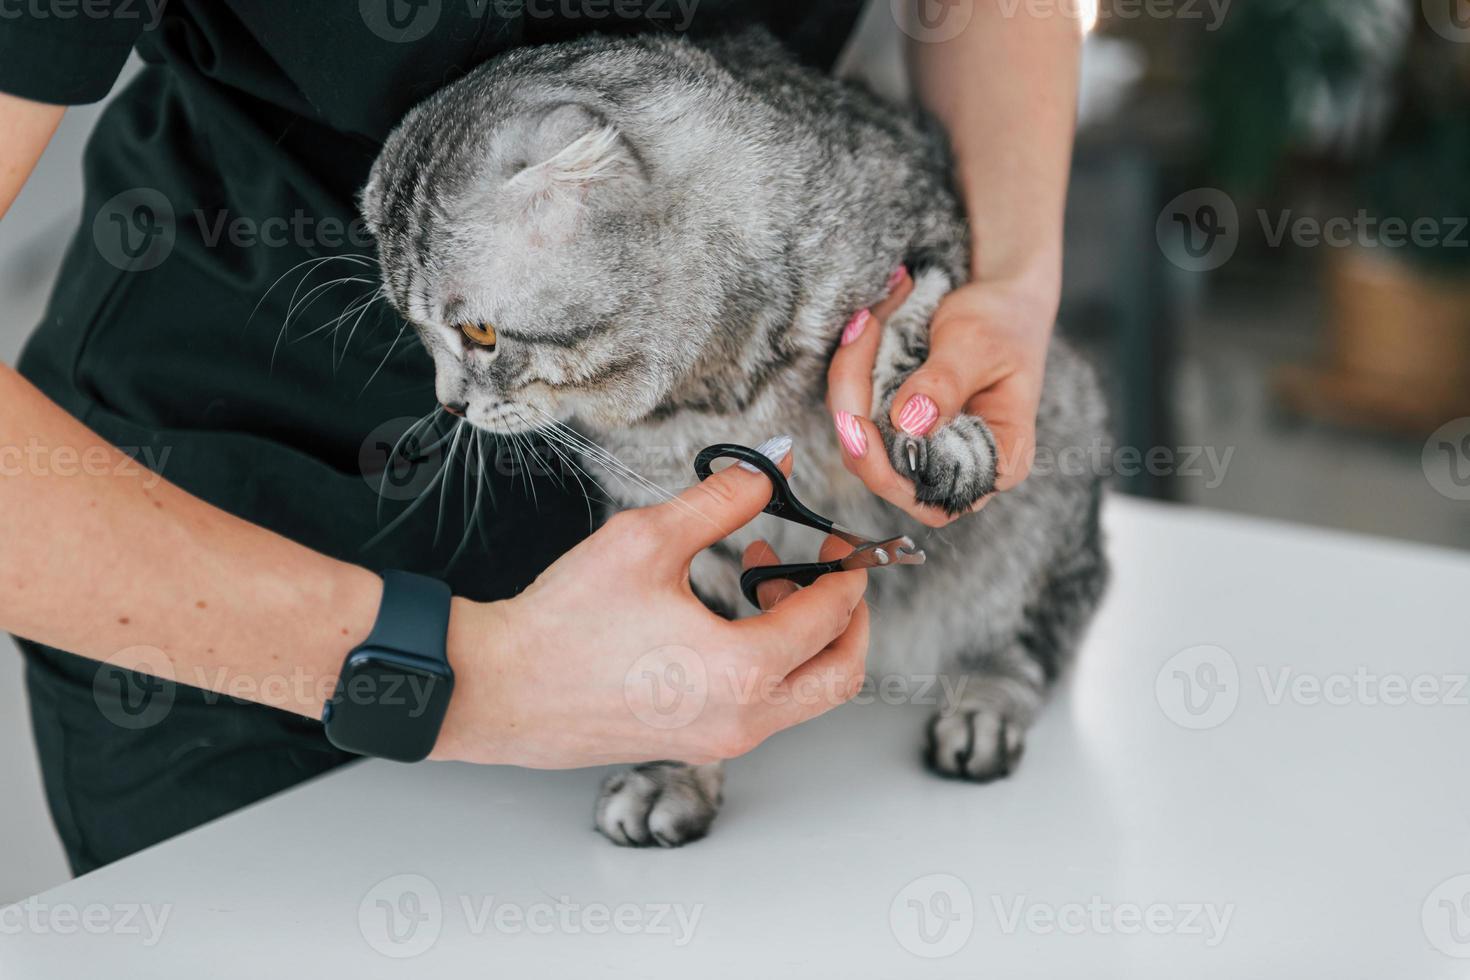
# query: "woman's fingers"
1009,409
803,622
709,511
964,358
832,677
865,458
850,374
835,674
850,397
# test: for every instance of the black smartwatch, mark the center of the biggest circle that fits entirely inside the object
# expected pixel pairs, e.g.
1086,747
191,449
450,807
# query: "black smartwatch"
394,689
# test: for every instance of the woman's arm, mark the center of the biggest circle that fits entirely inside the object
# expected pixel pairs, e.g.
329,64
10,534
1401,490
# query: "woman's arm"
25,129
105,558
1005,89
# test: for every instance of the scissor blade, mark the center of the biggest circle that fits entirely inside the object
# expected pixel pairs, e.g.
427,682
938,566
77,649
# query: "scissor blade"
904,551
878,554
851,537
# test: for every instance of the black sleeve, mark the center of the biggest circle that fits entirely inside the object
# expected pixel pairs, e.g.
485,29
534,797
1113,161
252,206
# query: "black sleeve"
69,52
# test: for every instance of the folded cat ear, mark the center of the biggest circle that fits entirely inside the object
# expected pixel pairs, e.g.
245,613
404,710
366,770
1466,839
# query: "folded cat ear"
586,151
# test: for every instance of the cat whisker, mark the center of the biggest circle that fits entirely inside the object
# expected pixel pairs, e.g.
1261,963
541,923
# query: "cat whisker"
448,467
524,449
476,445
384,362
408,433
314,265
362,312
576,471
299,307
407,511
358,304
580,443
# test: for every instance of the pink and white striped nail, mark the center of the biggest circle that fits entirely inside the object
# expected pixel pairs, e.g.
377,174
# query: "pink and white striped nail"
856,326
897,277
918,415
850,433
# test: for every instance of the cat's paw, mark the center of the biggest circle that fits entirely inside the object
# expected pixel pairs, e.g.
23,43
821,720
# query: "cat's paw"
980,744
952,467
980,733
661,804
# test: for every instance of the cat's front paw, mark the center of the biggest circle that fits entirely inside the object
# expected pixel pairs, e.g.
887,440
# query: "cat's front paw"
952,467
979,745
661,804
980,733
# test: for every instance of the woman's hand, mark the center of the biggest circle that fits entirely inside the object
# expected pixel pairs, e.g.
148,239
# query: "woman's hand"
987,357
609,657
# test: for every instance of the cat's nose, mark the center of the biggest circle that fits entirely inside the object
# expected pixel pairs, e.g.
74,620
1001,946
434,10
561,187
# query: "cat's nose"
457,409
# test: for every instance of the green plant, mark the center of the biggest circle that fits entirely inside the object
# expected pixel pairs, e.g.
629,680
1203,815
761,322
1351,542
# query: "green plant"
1283,75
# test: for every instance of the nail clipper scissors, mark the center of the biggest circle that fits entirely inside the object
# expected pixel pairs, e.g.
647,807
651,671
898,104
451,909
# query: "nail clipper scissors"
866,552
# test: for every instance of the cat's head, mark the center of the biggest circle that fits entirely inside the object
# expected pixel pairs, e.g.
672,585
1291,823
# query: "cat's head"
520,237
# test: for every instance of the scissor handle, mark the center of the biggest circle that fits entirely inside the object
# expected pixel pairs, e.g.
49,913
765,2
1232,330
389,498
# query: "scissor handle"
803,575
783,503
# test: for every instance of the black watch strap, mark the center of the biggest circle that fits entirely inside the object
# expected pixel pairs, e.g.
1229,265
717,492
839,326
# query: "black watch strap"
373,711
413,616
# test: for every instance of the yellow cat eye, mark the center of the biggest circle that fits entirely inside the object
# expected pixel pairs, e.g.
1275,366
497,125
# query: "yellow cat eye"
482,334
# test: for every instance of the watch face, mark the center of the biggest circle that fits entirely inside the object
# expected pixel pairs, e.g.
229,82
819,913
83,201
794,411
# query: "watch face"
389,705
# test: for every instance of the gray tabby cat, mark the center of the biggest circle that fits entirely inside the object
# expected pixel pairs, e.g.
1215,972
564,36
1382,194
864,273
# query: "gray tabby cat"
667,239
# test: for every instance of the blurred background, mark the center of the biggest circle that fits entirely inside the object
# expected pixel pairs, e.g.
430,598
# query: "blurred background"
1268,246
1268,255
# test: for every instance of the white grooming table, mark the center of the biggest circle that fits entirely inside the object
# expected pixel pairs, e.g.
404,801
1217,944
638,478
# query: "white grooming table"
1185,809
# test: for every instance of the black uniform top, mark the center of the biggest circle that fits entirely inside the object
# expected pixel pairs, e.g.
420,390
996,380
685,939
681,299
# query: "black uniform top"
231,160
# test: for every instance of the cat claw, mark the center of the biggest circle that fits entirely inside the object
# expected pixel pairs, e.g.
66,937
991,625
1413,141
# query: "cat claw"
913,451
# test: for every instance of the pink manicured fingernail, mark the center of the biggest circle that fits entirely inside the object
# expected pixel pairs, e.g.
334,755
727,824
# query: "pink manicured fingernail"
850,433
897,277
919,415
856,326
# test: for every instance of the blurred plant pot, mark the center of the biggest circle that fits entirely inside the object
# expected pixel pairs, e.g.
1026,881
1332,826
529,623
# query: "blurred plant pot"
1389,319
1397,344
